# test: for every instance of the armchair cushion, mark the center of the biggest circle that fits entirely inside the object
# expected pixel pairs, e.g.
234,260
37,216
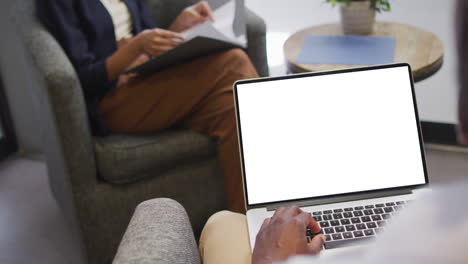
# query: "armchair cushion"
126,159
159,232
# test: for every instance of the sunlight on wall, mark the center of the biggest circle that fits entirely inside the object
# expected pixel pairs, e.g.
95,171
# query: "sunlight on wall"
276,59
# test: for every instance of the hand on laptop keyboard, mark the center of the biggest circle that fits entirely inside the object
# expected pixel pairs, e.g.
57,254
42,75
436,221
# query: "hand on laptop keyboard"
342,227
282,236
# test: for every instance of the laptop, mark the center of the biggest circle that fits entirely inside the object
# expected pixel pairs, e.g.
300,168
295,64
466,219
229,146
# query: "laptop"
345,146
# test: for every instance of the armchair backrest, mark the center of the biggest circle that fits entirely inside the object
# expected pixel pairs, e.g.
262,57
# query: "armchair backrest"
67,143
164,11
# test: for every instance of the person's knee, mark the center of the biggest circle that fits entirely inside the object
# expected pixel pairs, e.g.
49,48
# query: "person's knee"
238,54
221,221
236,57
241,63
222,216
220,226
236,63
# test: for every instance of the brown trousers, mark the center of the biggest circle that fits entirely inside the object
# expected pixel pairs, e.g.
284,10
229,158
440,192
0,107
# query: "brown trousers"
196,95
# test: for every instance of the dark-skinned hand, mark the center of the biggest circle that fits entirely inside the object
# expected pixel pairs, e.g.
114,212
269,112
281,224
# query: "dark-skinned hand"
284,235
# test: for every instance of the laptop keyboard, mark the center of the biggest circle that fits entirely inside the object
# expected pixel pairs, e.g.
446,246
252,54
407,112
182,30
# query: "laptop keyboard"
354,224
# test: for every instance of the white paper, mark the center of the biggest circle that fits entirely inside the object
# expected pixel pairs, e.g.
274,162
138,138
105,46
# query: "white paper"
223,23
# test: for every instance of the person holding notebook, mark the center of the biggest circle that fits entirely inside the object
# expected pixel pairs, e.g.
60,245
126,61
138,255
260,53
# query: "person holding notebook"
432,229
104,38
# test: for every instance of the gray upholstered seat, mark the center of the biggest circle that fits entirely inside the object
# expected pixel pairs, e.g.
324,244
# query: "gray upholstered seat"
98,182
126,159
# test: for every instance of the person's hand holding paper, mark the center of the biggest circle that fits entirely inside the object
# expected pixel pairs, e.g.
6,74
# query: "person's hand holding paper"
154,42
220,26
206,31
192,16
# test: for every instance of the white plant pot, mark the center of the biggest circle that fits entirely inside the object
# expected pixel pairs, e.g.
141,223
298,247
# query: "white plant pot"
357,18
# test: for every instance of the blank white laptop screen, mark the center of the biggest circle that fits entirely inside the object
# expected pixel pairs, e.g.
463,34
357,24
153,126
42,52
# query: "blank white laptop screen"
329,134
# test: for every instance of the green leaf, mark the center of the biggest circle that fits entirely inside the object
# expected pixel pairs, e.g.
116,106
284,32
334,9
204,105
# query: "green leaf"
387,7
377,5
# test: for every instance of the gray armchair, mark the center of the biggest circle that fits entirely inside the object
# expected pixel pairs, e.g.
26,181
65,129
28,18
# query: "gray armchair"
98,182
159,232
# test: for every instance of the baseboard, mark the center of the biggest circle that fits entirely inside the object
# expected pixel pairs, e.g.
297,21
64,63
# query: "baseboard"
439,133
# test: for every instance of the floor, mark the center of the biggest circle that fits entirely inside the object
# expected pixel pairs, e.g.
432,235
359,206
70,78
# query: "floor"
32,230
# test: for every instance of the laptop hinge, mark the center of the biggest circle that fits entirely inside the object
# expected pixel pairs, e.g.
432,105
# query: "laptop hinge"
344,198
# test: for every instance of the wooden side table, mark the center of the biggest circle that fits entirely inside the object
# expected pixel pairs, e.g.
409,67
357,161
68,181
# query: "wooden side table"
423,50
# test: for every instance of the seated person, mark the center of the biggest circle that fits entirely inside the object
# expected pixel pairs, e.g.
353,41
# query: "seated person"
431,230
104,38
434,230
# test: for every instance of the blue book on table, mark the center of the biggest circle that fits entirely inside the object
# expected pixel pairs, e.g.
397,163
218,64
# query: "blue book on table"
347,50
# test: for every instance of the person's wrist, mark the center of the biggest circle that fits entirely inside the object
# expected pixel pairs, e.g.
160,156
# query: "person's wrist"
261,260
137,44
175,26
262,256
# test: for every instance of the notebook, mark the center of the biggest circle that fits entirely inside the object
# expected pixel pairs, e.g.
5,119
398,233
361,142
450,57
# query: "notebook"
342,145
347,50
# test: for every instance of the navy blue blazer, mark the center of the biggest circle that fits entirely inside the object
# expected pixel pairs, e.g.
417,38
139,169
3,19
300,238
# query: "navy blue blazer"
86,32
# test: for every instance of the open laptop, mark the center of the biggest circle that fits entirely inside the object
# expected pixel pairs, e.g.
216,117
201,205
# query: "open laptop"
344,145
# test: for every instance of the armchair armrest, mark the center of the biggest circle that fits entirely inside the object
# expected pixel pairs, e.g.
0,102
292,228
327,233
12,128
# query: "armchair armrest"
256,39
159,232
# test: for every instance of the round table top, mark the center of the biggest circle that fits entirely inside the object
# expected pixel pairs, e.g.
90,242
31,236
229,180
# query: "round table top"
423,50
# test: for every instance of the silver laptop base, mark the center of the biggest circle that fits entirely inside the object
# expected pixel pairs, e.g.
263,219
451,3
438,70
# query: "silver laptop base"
340,199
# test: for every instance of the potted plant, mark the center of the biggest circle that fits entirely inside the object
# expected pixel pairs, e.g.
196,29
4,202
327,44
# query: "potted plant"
358,16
